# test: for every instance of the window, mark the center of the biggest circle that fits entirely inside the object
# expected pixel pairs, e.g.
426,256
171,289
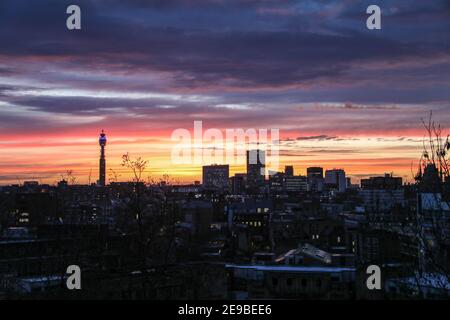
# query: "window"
289,282
304,282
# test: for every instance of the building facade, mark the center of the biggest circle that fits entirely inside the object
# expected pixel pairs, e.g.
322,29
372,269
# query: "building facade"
216,177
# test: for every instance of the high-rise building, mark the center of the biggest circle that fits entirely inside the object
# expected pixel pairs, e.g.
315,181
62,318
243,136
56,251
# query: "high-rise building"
314,172
216,176
335,179
102,166
315,179
238,183
289,171
256,160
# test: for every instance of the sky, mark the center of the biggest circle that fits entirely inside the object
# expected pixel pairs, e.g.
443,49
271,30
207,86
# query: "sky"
341,95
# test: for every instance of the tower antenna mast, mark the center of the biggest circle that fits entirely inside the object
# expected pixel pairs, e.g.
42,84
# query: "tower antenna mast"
102,164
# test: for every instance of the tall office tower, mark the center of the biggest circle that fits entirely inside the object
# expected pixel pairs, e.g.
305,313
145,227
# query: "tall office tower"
335,179
238,183
102,167
289,171
315,172
315,179
216,177
256,160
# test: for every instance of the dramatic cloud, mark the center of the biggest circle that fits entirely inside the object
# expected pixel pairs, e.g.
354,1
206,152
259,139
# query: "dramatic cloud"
140,69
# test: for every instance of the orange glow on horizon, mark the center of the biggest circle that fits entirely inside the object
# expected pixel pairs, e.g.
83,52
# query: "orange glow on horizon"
47,156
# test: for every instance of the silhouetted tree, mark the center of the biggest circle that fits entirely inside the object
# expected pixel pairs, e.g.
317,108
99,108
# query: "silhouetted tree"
430,226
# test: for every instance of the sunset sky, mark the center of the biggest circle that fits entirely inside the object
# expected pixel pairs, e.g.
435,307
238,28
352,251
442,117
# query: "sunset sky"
342,96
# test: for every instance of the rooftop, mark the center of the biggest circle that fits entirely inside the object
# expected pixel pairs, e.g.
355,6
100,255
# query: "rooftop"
291,268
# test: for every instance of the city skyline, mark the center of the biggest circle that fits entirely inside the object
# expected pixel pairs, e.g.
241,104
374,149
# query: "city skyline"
225,157
123,174
341,95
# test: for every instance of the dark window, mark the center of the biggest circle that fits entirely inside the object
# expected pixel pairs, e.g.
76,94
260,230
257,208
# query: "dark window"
304,282
318,283
289,282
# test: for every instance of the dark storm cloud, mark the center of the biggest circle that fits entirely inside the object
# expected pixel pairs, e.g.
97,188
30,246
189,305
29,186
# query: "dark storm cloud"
211,4
269,52
196,57
5,71
87,105
5,89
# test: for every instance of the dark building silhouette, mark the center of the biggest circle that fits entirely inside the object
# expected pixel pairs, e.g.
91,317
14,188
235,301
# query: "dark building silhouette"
256,160
315,172
32,208
388,182
216,176
335,179
102,167
295,184
431,179
315,179
382,194
238,183
199,215
289,171
276,182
